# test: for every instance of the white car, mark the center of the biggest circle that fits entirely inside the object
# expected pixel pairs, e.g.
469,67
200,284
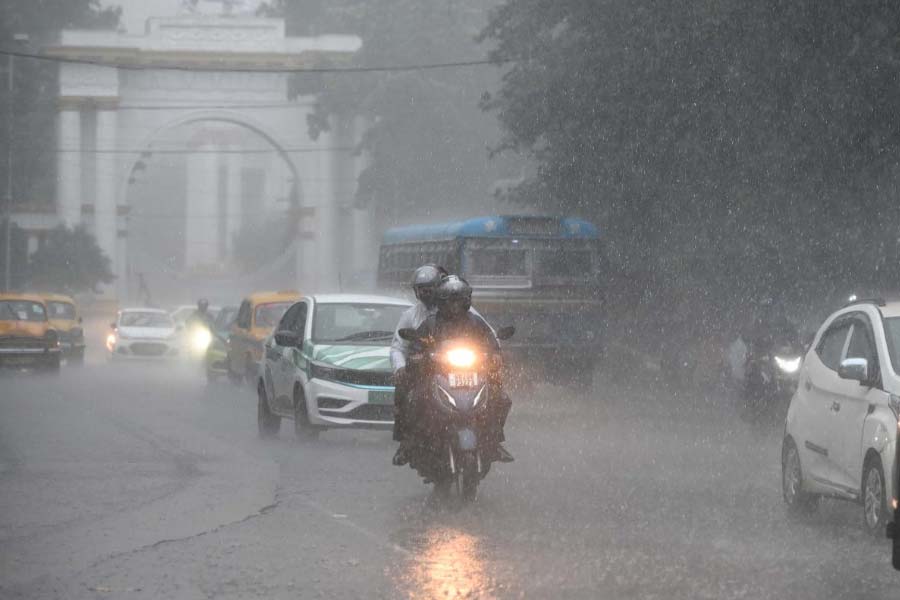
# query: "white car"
327,365
841,429
143,333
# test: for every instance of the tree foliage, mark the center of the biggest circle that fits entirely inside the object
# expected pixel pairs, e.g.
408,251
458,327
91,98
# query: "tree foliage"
426,140
33,134
707,137
69,260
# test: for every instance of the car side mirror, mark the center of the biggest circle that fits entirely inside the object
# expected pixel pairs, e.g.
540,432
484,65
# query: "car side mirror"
288,339
504,333
80,320
854,369
408,333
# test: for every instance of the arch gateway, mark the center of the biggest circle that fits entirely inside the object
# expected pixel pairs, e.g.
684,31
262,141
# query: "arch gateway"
114,121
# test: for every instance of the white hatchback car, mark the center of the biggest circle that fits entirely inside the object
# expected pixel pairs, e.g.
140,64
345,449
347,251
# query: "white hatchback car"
143,333
841,429
327,365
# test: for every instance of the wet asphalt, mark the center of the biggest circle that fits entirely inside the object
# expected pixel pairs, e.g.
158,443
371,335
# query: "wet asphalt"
144,481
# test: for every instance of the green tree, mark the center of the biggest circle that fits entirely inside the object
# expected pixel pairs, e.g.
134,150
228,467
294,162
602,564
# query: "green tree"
33,136
701,134
70,261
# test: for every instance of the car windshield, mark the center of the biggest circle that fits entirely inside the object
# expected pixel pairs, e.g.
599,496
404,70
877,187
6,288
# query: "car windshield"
22,310
145,319
268,315
374,323
61,310
225,318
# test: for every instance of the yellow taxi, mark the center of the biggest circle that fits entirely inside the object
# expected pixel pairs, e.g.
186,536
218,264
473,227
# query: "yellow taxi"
257,316
64,318
27,337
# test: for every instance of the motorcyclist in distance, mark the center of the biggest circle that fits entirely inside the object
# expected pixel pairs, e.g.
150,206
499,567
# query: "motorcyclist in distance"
201,316
455,319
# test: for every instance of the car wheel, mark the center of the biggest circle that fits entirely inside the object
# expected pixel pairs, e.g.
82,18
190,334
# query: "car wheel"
797,500
873,499
304,430
268,423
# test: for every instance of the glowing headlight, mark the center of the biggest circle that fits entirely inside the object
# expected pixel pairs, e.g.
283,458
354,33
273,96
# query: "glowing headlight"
201,339
111,342
461,357
788,365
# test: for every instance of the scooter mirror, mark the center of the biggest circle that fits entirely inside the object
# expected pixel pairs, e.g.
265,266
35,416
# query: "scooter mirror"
504,333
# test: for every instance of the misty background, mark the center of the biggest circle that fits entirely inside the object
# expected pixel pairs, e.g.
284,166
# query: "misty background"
728,151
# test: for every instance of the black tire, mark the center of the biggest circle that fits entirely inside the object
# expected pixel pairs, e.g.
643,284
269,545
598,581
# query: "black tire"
874,502
468,478
77,359
268,423
798,501
236,379
303,429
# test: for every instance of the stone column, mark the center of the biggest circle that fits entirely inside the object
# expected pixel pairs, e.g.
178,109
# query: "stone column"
68,166
233,205
200,231
328,237
106,176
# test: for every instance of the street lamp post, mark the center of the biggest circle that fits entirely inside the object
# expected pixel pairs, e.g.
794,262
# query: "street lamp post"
19,38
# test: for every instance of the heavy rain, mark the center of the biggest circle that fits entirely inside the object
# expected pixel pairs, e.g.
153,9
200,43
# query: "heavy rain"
449,299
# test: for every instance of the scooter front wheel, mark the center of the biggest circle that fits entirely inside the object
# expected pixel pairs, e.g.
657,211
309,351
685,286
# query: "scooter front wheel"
467,478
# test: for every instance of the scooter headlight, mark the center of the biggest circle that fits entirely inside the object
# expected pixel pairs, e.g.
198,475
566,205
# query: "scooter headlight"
200,339
111,342
788,364
460,357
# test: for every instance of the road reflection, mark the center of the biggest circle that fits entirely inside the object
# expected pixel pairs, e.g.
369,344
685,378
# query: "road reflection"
446,563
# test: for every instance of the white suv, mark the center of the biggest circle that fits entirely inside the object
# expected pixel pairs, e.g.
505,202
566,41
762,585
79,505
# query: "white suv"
841,430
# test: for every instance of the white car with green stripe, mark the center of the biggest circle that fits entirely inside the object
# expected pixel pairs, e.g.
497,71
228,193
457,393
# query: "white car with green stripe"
327,365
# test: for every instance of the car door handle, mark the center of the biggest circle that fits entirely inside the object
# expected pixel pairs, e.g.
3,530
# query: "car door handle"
835,407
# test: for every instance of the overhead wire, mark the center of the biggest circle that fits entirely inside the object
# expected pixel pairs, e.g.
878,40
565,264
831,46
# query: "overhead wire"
260,68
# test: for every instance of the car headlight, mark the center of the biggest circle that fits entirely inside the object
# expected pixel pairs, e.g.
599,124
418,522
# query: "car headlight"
200,339
460,357
788,364
317,371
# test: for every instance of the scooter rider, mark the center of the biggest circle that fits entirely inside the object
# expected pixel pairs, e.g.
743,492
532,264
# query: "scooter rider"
455,318
201,316
426,280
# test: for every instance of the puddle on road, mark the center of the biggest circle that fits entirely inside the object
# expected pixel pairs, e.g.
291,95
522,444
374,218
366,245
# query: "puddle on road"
447,562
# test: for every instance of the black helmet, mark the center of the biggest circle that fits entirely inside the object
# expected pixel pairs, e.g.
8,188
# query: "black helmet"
425,281
202,304
454,296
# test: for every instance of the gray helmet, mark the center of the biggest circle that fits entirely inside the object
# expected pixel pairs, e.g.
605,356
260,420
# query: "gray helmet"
202,304
454,296
426,279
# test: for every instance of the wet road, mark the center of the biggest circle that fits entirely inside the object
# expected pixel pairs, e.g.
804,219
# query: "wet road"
144,482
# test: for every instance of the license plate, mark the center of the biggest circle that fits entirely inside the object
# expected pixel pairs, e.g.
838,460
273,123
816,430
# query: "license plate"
463,380
381,397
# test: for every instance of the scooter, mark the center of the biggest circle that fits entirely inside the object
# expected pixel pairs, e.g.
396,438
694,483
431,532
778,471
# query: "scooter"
451,408
771,380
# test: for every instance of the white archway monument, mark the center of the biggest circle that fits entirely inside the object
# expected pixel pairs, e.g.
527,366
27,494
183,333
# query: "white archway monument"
232,69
